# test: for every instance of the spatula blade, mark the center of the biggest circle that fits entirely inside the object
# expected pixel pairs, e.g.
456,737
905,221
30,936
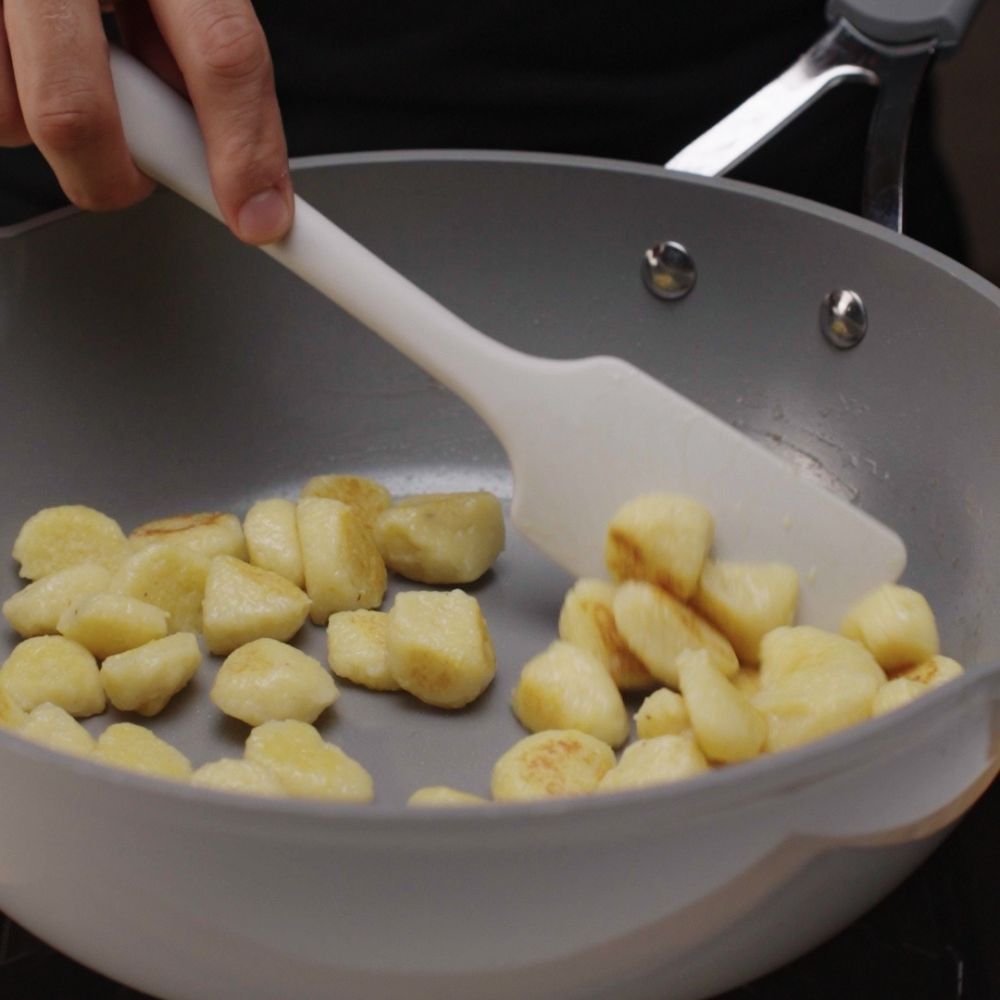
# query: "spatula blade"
597,432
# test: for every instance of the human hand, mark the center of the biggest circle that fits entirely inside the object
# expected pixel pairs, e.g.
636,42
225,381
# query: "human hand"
56,92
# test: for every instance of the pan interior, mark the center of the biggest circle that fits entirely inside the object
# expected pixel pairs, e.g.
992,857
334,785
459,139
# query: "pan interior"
152,366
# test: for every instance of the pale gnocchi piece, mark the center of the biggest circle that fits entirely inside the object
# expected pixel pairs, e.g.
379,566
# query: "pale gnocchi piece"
658,628
663,713
136,748
553,764
444,538
934,672
244,777
12,716
896,624
343,568
268,680
272,534
170,577
655,760
244,602
565,687
144,679
439,648
357,648
213,533
59,537
587,620
895,693
54,727
37,608
662,538
111,623
726,725
815,700
788,649
745,601
443,795
367,497
306,765
51,668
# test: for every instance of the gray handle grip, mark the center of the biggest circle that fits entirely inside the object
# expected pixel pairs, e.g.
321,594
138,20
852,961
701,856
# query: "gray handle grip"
900,21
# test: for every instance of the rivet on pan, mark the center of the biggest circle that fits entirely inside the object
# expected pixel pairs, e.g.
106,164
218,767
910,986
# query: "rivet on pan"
668,271
843,319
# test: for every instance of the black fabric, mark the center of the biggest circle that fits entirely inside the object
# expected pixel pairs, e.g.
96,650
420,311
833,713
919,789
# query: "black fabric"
613,78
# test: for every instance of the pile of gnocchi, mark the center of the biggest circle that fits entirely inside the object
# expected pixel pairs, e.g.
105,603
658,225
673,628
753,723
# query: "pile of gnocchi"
709,646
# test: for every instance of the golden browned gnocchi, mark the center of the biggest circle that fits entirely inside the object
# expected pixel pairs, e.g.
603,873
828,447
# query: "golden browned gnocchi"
439,648
268,680
366,497
445,538
212,534
565,687
343,568
662,538
551,764
658,628
587,619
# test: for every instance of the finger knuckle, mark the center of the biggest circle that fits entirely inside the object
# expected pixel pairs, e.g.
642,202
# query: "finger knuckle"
68,121
231,44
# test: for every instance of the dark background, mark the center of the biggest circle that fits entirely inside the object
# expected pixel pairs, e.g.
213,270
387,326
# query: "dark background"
935,938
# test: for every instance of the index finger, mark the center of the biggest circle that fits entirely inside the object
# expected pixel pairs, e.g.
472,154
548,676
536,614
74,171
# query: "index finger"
223,55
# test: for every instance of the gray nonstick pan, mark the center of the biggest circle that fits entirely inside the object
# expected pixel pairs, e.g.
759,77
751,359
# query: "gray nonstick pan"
152,366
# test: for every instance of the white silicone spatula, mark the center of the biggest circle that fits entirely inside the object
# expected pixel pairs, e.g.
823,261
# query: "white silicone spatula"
582,436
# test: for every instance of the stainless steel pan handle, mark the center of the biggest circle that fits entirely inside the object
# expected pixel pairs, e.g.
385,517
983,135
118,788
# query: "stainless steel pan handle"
903,21
884,43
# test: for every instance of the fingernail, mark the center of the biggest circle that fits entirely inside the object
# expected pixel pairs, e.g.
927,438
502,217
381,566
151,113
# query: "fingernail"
264,217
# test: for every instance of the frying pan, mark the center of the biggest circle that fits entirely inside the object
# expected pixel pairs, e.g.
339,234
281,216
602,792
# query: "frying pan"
152,366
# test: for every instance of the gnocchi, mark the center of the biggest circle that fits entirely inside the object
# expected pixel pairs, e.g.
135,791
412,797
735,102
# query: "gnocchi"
243,603
565,687
551,764
439,648
306,765
267,680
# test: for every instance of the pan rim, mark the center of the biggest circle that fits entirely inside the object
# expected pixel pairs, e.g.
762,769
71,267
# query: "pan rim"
574,161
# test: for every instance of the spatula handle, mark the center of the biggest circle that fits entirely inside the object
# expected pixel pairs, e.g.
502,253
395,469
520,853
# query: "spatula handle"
163,136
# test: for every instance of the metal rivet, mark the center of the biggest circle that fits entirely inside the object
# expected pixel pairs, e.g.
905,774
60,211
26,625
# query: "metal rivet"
843,319
668,271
